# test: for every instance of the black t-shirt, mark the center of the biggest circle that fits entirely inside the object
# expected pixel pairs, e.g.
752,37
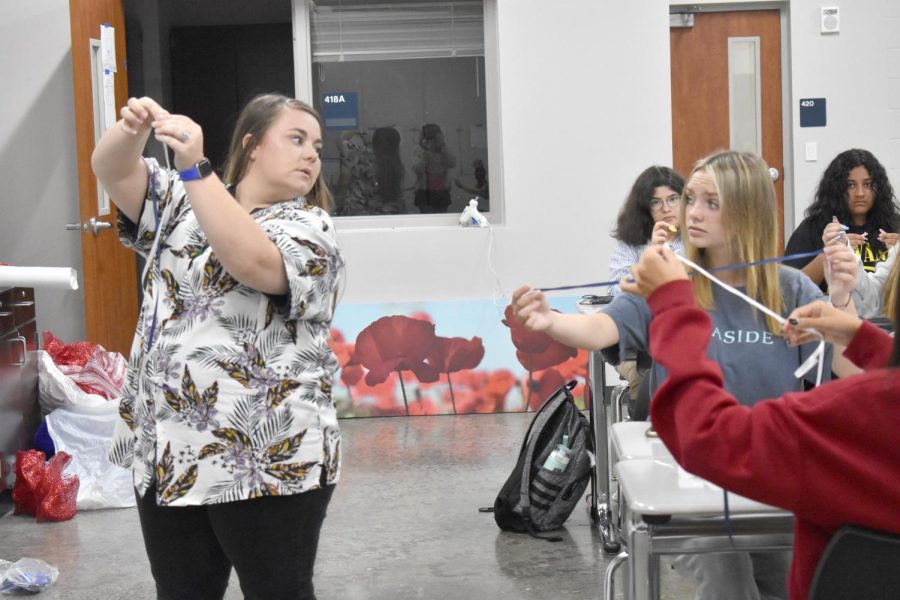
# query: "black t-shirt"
807,238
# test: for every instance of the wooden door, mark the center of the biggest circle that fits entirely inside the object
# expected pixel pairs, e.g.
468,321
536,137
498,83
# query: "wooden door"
108,268
700,89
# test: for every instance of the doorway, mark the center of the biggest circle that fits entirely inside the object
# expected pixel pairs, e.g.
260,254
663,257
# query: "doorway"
727,88
216,70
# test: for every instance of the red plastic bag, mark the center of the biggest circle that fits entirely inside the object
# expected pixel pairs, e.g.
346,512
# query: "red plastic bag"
41,489
93,368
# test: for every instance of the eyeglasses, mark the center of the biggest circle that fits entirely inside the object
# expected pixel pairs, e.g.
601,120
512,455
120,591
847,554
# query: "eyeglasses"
672,201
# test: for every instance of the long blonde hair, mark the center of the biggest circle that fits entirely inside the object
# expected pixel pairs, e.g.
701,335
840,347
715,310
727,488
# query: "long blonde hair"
255,120
748,204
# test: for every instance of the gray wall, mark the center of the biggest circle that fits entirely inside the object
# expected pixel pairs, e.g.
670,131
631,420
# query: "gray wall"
37,153
858,71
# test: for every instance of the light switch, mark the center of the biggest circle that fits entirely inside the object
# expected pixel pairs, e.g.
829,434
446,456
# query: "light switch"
812,152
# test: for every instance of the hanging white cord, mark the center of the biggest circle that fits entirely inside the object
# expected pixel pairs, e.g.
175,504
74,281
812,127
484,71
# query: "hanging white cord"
498,294
817,355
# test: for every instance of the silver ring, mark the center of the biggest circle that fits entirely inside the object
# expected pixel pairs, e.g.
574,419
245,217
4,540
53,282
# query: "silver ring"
185,136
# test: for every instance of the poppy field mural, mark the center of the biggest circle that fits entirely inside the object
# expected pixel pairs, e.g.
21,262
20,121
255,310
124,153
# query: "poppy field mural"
455,357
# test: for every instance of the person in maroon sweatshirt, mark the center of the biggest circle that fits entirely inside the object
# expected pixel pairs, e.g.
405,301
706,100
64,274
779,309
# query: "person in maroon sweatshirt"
829,455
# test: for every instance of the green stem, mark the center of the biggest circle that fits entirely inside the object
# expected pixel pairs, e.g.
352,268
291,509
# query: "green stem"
452,398
403,389
530,385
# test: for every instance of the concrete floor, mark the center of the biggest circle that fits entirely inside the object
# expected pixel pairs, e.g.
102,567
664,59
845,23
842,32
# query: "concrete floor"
403,524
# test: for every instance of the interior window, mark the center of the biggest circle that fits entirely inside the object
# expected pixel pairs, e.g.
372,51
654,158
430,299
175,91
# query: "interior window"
401,88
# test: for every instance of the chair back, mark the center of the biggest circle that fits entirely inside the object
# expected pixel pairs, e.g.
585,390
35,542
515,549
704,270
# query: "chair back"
858,563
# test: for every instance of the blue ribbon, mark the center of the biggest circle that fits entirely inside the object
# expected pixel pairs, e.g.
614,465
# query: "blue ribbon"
764,261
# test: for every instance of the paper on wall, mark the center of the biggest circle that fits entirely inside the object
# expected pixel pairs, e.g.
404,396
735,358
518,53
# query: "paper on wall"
109,99
108,48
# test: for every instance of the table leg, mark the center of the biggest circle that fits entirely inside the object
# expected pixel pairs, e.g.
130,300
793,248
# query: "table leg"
597,378
641,572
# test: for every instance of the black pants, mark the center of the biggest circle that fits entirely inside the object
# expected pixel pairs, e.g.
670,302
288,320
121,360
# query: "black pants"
271,542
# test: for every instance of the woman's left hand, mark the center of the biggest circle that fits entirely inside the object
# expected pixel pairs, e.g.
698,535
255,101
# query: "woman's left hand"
657,267
841,269
183,136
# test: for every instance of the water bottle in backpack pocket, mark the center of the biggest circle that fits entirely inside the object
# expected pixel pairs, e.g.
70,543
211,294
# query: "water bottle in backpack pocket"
553,469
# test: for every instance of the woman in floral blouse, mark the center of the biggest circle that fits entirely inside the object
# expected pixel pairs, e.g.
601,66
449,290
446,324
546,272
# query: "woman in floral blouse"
227,418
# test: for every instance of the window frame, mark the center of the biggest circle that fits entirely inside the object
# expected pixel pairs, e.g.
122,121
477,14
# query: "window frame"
303,72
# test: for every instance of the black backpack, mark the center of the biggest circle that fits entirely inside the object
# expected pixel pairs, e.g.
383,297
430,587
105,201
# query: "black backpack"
534,498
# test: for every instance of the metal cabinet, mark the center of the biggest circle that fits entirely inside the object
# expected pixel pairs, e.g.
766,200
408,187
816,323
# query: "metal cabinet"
19,409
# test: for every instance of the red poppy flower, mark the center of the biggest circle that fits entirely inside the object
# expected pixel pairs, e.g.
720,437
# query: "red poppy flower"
351,375
498,386
535,350
473,380
388,406
421,316
543,386
468,401
450,355
455,354
575,367
385,390
522,338
423,406
395,343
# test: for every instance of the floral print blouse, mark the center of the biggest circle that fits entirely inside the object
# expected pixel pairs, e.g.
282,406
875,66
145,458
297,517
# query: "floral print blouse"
228,391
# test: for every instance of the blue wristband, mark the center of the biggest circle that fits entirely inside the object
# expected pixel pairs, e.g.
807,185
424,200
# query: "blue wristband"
199,171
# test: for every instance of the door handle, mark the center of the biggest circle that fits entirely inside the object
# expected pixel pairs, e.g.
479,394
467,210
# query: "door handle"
94,225
19,339
774,174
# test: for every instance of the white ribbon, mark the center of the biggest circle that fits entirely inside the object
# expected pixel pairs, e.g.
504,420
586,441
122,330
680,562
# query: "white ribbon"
817,355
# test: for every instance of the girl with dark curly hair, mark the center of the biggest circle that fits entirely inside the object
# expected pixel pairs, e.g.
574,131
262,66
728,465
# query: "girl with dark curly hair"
854,190
651,209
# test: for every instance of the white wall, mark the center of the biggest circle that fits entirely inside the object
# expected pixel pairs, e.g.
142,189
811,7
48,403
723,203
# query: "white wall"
584,104
37,153
858,71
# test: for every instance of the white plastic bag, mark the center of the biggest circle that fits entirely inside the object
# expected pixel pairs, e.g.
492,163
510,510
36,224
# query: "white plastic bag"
58,389
86,433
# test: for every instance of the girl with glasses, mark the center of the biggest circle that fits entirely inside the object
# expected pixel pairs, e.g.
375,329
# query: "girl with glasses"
649,213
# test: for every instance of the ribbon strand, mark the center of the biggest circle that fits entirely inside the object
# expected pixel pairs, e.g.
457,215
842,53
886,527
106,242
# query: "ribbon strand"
814,359
757,263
